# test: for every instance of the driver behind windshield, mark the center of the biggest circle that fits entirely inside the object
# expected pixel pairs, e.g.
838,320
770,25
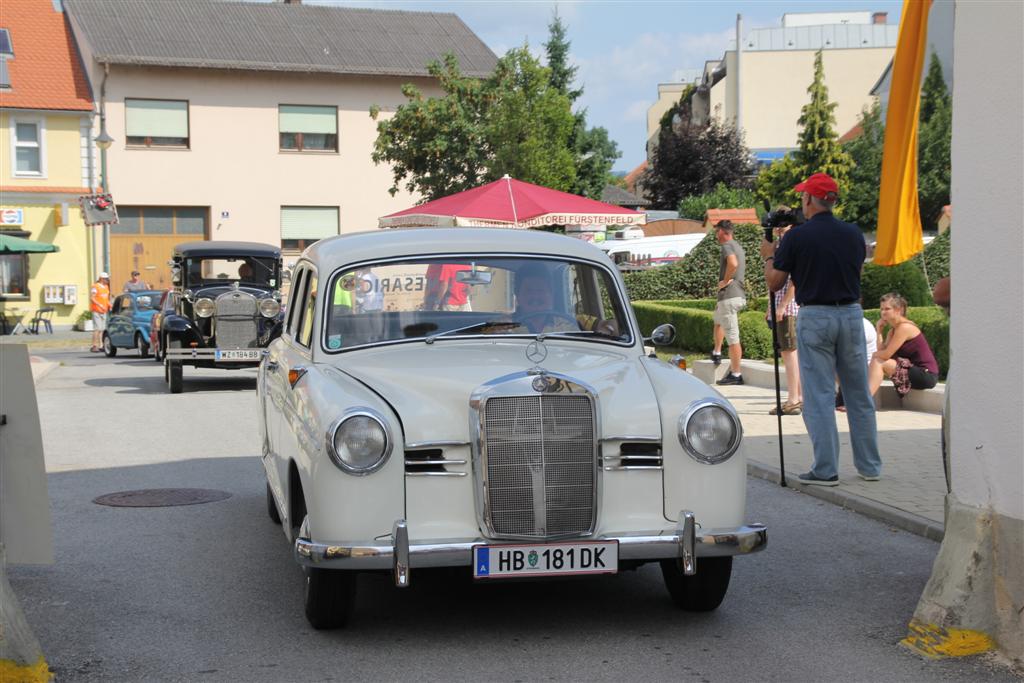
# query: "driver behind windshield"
536,312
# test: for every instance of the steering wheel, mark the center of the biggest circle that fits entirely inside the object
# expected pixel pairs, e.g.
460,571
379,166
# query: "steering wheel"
549,313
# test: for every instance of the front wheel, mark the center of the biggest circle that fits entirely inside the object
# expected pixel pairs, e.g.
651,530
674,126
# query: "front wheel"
142,346
330,597
174,375
702,592
109,350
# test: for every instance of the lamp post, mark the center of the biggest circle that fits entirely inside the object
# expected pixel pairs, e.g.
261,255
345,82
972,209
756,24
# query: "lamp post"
103,142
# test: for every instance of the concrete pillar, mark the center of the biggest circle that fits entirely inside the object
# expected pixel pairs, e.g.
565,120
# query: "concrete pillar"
975,597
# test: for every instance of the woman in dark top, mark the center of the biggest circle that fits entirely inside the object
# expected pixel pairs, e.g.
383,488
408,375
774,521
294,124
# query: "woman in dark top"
905,357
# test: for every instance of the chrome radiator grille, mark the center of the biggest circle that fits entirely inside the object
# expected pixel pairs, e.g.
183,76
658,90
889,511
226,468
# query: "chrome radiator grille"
236,321
539,458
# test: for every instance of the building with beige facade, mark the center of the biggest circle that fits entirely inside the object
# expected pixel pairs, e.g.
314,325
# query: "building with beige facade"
247,121
762,87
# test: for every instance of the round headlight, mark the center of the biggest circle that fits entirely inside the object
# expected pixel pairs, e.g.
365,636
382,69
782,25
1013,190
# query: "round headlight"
359,442
204,307
709,431
269,308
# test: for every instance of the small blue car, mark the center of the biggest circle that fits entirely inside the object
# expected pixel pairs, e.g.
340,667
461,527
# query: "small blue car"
128,322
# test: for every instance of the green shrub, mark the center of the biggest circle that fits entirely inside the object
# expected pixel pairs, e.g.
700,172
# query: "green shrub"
905,278
695,327
722,197
935,326
695,276
934,260
756,304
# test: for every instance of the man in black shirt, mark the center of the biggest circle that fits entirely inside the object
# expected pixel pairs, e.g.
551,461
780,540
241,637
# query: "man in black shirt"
824,256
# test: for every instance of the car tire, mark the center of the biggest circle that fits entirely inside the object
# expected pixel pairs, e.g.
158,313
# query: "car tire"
275,516
142,346
175,376
702,592
329,598
109,350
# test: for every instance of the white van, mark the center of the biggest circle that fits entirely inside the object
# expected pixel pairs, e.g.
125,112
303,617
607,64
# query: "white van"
662,249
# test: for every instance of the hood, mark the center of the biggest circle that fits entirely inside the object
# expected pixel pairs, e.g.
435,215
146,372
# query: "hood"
429,385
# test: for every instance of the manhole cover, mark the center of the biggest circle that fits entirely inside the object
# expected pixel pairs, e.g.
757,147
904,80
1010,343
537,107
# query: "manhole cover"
156,498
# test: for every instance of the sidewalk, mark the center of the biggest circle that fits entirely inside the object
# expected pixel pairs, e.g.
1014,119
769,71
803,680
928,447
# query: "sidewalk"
912,490
61,338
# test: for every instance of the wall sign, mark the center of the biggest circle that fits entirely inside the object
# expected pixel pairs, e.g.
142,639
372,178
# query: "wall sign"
12,217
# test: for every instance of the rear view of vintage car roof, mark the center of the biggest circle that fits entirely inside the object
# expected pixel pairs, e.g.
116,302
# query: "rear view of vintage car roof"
225,248
382,244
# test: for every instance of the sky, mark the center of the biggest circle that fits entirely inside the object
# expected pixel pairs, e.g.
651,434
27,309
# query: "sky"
623,49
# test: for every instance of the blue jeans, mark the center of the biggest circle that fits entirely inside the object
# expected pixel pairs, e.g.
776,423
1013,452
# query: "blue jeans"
830,342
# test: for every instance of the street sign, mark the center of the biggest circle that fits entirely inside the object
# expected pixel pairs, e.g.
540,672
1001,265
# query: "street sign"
98,209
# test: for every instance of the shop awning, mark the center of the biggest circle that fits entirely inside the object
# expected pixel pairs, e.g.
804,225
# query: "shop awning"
19,245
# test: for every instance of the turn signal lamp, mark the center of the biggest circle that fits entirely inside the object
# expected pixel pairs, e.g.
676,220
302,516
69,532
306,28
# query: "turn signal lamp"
679,361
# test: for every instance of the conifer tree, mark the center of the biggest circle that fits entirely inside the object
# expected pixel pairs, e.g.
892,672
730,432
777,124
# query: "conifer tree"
819,149
934,139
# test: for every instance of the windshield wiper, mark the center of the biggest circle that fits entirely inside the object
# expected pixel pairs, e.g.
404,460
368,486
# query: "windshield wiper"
475,326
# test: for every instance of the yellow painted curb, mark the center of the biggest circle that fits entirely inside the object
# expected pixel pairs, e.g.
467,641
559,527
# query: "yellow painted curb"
937,642
12,672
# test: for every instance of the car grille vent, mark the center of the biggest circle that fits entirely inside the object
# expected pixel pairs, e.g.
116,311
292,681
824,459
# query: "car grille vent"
635,456
430,462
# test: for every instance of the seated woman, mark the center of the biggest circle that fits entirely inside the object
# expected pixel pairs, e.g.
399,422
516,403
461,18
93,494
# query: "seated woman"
905,357
536,313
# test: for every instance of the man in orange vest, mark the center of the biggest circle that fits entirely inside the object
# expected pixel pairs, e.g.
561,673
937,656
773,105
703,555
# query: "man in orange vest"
99,304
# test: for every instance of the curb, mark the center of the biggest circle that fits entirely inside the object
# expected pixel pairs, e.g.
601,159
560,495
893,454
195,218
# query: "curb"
900,519
41,368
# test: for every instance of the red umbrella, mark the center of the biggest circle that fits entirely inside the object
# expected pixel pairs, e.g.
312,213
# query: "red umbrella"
509,203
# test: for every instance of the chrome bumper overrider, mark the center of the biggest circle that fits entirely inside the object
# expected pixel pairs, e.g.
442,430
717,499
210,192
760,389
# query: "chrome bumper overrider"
685,542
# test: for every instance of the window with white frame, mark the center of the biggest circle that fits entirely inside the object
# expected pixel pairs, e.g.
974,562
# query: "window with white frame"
14,276
156,123
27,141
303,225
307,128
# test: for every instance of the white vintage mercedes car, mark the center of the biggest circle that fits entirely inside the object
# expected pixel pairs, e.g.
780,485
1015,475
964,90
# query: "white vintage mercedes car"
481,398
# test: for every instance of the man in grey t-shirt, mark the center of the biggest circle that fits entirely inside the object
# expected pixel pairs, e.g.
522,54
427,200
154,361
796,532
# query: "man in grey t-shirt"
731,299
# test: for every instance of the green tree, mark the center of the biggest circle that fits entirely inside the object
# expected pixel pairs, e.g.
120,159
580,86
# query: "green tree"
513,122
860,205
691,159
934,144
818,149
721,197
595,152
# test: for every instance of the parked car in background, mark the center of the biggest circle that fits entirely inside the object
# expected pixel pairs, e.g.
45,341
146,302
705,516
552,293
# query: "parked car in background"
128,322
481,398
166,304
225,307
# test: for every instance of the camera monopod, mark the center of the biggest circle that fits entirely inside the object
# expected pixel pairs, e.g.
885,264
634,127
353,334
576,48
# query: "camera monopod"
768,236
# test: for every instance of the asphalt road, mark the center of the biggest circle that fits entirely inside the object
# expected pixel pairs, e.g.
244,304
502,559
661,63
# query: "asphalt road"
210,592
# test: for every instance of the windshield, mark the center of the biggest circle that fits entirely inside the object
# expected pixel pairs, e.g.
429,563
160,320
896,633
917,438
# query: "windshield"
249,270
147,300
463,296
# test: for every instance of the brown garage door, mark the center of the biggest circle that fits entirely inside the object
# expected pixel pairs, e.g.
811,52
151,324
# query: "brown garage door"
144,240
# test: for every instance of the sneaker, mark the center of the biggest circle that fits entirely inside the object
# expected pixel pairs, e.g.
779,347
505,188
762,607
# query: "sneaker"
716,358
809,478
868,477
730,379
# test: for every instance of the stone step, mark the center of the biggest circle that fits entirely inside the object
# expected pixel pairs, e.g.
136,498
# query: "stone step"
762,374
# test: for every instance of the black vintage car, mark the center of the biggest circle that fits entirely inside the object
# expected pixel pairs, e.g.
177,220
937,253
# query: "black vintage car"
227,307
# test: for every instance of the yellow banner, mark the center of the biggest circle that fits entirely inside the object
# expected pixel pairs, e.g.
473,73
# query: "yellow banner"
899,217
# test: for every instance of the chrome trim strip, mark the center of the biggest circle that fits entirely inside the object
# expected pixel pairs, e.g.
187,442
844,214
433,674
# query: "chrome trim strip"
630,457
422,445
642,545
437,474
620,468
645,439
434,462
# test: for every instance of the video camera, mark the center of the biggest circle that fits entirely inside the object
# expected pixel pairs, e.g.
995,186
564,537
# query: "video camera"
779,218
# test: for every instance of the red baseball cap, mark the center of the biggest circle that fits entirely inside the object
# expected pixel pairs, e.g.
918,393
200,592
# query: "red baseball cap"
819,185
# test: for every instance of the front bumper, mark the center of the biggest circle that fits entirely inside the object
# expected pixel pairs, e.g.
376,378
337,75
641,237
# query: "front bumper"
686,542
210,354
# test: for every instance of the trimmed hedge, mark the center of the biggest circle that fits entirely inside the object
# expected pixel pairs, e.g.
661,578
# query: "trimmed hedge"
695,276
934,325
905,278
695,326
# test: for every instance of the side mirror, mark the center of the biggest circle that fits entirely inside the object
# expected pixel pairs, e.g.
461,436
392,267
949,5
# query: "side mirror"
663,335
